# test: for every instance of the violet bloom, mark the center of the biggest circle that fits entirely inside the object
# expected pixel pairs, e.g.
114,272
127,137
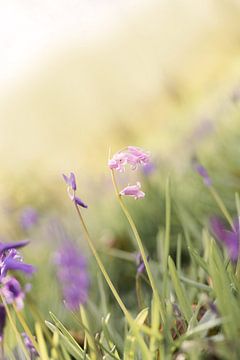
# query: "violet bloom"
230,238
28,218
132,155
118,162
2,321
133,191
72,275
11,260
12,245
71,189
29,345
203,173
12,292
140,264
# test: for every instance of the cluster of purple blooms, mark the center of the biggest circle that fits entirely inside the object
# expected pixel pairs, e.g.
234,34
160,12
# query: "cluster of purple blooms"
10,288
132,156
72,275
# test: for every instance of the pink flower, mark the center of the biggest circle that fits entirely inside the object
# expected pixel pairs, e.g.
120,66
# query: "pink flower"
133,191
133,156
141,157
118,161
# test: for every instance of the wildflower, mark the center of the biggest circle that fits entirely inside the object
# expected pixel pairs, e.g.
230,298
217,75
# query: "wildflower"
148,168
140,263
29,345
12,291
11,260
230,238
2,321
118,161
71,189
202,172
72,275
132,155
28,218
133,191
12,245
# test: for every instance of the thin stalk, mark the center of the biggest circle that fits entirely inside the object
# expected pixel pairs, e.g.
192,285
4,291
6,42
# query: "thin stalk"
167,238
221,205
18,336
141,248
139,292
110,284
25,327
237,200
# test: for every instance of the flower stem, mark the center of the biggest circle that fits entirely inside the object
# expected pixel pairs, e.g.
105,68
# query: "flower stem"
221,205
128,316
141,248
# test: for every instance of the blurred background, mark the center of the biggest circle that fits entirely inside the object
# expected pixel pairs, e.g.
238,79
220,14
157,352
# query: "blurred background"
78,77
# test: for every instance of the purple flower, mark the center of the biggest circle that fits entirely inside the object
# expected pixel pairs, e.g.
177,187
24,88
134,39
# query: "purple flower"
29,345
71,189
11,260
203,173
140,263
28,218
148,168
230,238
132,155
72,275
12,245
133,191
71,181
12,291
141,157
118,161
2,320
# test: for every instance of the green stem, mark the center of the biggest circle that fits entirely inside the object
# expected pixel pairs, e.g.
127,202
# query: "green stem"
221,205
141,248
111,286
18,336
167,238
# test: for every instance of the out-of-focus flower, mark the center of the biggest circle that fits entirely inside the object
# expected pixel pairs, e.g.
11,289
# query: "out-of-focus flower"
71,189
140,263
2,320
29,345
11,260
230,238
12,245
132,155
72,275
133,191
148,168
28,217
200,169
12,291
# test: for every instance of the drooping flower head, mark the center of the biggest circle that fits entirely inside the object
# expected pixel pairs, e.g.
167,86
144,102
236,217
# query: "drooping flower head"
132,155
29,345
133,191
28,217
71,189
12,260
230,238
12,292
72,275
